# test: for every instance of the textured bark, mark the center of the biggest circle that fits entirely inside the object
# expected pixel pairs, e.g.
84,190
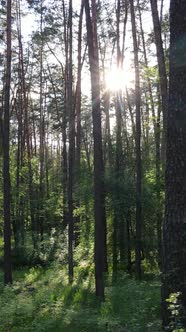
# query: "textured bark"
19,112
78,122
162,70
138,147
41,133
156,125
161,10
174,229
148,78
18,222
6,149
64,162
99,199
108,142
129,251
117,219
97,82
78,91
120,58
159,209
24,105
71,152
64,126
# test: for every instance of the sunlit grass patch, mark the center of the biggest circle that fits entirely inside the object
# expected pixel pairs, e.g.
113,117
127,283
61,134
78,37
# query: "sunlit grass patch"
42,300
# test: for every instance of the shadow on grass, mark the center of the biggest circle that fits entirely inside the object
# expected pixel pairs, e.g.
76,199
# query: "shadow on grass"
134,304
56,306
74,309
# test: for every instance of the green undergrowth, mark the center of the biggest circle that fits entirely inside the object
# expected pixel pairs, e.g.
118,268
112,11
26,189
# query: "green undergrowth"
41,300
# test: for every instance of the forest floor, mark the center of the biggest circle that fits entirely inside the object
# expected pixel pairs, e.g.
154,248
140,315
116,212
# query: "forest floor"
40,300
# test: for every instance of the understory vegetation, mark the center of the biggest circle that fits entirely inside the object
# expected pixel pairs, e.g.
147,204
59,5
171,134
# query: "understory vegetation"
41,299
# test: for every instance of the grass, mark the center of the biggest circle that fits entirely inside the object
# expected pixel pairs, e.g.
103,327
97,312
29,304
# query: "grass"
41,300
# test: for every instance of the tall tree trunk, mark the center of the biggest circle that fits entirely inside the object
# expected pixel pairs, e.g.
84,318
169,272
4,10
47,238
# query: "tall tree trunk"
78,91
162,70
21,136
118,222
129,251
19,163
119,146
117,210
24,102
95,41
99,195
156,125
41,131
138,147
108,142
159,209
71,151
174,229
6,155
146,65
64,126
78,121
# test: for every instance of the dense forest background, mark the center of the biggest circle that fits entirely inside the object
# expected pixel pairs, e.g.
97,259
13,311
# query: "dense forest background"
83,140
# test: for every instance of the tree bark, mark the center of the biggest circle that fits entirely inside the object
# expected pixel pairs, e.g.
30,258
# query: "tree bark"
117,218
41,132
156,125
71,151
6,155
78,122
95,41
78,91
24,101
99,197
162,70
174,228
64,127
138,147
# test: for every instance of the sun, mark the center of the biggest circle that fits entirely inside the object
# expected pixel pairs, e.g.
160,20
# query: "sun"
118,79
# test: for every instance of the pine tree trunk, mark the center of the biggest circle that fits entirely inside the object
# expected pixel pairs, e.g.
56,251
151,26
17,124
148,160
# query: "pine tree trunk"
41,132
174,229
24,101
71,152
138,148
99,199
162,70
6,149
78,123
159,209
64,127
156,125
129,251
117,220
108,143
95,41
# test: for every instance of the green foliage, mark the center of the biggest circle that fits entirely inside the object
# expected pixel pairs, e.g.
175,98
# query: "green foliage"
42,300
133,304
175,308
16,308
